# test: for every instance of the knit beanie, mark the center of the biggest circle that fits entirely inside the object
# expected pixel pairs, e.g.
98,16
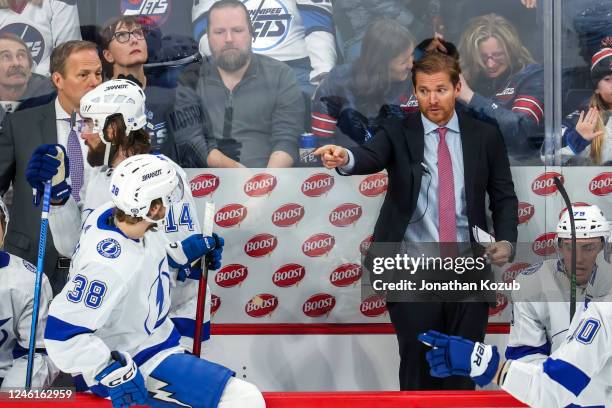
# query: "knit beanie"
601,64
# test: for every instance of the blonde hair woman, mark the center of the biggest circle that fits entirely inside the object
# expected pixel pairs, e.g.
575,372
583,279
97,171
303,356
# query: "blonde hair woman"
501,84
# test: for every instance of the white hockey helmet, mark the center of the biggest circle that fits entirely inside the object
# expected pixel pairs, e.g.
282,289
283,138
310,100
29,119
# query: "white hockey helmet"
589,221
117,96
141,179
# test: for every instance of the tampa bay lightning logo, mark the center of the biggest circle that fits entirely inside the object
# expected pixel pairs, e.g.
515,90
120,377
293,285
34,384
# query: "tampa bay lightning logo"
109,248
29,266
159,299
151,11
271,23
31,36
3,333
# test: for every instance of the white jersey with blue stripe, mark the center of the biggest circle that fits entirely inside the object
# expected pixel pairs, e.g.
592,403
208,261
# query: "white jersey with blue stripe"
541,316
17,278
285,30
117,298
181,222
580,367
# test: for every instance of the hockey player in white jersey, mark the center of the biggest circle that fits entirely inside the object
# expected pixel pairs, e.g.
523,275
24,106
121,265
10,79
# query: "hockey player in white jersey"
541,309
110,322
16,301
291,31
578,371
113,129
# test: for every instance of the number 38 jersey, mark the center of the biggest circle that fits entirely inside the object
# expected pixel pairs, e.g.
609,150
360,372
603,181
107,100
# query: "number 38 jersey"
181,221
117,298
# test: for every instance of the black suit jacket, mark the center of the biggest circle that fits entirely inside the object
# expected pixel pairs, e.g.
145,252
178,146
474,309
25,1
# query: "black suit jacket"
398,147
21,134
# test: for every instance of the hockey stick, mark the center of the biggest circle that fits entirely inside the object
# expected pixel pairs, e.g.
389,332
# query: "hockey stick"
42,242
207,229
568,205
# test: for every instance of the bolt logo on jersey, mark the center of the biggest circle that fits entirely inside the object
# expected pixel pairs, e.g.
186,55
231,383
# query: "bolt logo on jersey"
31,36
153,11
158,308
3,333
271,23
109,248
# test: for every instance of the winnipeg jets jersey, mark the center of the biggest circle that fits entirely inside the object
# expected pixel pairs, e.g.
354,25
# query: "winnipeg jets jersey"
285,30
181,221
117,298
540,315
42,27
582,362
17,278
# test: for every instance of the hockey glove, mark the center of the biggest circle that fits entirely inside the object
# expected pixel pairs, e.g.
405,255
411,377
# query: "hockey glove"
184,252
214,258
454,355
49,162
124,381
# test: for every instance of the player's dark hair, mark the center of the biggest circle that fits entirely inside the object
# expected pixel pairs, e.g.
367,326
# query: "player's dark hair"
230,3
15,38
107,33
436,62
384,40
136,142
62,52
121,216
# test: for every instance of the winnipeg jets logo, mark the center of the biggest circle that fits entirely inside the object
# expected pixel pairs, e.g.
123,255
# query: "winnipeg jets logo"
109,248
31,36
271,23
153,11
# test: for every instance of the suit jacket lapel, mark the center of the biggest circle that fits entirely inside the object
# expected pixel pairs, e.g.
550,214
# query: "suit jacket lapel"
48,125
415,141
471,149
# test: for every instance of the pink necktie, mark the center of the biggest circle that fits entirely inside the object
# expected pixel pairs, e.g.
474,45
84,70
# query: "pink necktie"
446,192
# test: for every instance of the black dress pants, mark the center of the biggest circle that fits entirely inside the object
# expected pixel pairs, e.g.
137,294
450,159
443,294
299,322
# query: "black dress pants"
466,319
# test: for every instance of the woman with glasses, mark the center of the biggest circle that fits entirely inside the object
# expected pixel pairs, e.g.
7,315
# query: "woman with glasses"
123,54
503,85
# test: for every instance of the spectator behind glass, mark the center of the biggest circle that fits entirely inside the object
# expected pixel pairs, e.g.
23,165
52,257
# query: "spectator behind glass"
588,136
19,87
348,101
354,17
123,53
502,84
42,24
238,109
168,32
298,32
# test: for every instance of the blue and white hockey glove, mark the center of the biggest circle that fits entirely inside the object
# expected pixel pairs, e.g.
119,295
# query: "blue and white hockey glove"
124,381
214,257
454,355
49,162
192,248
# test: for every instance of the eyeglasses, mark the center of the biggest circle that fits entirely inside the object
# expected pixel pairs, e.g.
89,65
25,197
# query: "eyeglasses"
496,57
124,36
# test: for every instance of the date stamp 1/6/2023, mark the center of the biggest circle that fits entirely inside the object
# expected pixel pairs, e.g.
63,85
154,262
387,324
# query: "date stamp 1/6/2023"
37,394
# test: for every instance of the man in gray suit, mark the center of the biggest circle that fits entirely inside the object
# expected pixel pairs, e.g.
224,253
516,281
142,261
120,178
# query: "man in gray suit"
75,70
